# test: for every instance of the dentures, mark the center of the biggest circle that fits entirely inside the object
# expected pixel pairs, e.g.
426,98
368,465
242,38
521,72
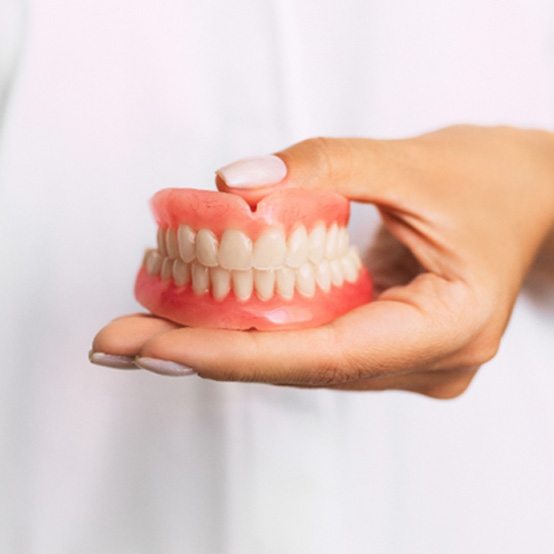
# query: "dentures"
288,264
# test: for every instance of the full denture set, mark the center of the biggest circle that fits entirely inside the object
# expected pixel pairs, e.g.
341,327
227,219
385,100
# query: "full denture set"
218,263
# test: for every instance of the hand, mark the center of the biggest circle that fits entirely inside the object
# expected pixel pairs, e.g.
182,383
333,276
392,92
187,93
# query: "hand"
469,205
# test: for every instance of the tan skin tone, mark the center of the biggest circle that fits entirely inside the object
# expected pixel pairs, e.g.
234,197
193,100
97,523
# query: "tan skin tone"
472,205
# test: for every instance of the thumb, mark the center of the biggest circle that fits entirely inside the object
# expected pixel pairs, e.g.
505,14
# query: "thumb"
364,170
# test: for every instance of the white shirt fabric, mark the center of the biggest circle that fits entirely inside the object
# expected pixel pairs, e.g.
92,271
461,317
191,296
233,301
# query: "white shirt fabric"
114,100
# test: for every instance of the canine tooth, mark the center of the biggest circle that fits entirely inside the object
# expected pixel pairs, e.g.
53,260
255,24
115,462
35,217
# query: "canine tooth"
181,272
221,282
323,275
269,250
305,280
349,269
235,250
343,242
332,242
200,278
297,247
167,267
206,248
161,241
264,281
316,243
153,262
337,277
355,257
171,243
185,236
243,283
285,278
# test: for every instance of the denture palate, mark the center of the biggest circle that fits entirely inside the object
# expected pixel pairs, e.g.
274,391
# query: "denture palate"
307,259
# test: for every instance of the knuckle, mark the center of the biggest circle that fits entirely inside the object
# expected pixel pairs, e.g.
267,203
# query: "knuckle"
323,150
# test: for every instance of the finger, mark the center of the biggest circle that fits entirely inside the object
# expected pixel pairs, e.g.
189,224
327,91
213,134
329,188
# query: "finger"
125,336
412,332
361,169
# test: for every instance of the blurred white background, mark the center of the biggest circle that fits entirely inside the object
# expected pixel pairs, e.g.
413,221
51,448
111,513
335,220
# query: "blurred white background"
114,100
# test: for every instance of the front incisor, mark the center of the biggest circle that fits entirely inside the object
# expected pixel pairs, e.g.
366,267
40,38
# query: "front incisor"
243,284
264,281
235,250
270,250
221,282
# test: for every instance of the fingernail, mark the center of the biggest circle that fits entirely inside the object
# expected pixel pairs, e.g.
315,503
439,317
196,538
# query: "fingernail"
111,360
164,367
254,172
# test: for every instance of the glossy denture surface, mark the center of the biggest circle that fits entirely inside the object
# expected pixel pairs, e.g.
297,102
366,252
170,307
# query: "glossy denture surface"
271,264
213,242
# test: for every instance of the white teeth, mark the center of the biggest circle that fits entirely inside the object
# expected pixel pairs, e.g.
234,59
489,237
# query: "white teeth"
316,248
343,242
221,282
355,257
349,269
243,283
264,281
181,272
297,247
206,248
332,242
269,250
336,273
200,278
167,269
185,236
153,262
285,282
305,280
235,250
161,242
171,243
323,276
320,258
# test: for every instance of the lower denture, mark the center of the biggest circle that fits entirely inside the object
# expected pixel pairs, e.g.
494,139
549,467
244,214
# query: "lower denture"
265,270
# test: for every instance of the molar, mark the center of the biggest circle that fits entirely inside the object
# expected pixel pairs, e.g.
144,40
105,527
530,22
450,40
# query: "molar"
235,250
264,281
243,283
316,246
181,272
161,242
206,248
343,242
337,277
171,243
285,278
305,280
200,278
332,242
269,250
323,276
153,262
167,269
349,269
297,247
221,282
185,236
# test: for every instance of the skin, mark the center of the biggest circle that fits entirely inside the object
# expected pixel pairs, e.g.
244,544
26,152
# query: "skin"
465,211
